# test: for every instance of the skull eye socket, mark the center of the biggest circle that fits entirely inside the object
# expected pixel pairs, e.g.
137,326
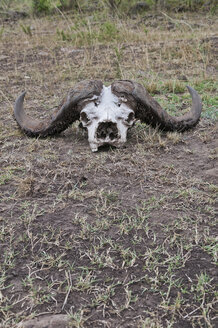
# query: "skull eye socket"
131,117
127,120
84,117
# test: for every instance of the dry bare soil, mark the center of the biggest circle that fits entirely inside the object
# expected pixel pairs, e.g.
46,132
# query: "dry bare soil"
122,237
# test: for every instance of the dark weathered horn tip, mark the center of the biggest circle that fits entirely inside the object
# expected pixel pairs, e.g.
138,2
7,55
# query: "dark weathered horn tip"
193,92
196,102
190,89
23,94
18,107
20,98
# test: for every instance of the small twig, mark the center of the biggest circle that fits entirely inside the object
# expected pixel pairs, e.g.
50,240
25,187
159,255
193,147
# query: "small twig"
20,300
69,279
41,313
198,308
187,315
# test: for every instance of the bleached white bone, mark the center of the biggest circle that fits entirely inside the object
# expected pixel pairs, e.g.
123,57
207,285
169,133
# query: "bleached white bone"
107,108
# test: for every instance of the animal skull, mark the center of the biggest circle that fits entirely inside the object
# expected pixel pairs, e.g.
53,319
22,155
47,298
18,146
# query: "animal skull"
107,112
107,119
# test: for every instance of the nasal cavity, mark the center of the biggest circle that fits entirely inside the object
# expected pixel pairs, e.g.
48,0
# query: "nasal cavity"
107,129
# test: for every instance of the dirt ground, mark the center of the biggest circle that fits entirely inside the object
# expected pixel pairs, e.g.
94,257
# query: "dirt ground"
121,237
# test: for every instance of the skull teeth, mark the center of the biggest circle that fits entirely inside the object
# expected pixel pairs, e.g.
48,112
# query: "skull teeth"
93,147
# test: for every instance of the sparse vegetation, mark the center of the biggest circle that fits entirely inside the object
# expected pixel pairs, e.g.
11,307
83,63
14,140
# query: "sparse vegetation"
124,237
114,6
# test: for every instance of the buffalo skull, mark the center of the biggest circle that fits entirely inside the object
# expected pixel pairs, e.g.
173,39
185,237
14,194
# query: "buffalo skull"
107,112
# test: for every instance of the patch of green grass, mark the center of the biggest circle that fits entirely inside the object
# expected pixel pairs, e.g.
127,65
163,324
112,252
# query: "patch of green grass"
206,86
84,33
174,102
41,6
1,32
211,247
26,29
173,86
207,89
210,106
165,87
6,176
108,32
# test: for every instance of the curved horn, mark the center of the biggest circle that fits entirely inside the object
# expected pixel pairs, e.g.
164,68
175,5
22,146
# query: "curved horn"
149,111
66,113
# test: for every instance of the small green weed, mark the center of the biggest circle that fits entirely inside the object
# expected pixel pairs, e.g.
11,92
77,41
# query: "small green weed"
5,177
64,36
41,6
1,32
108,32
26,29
